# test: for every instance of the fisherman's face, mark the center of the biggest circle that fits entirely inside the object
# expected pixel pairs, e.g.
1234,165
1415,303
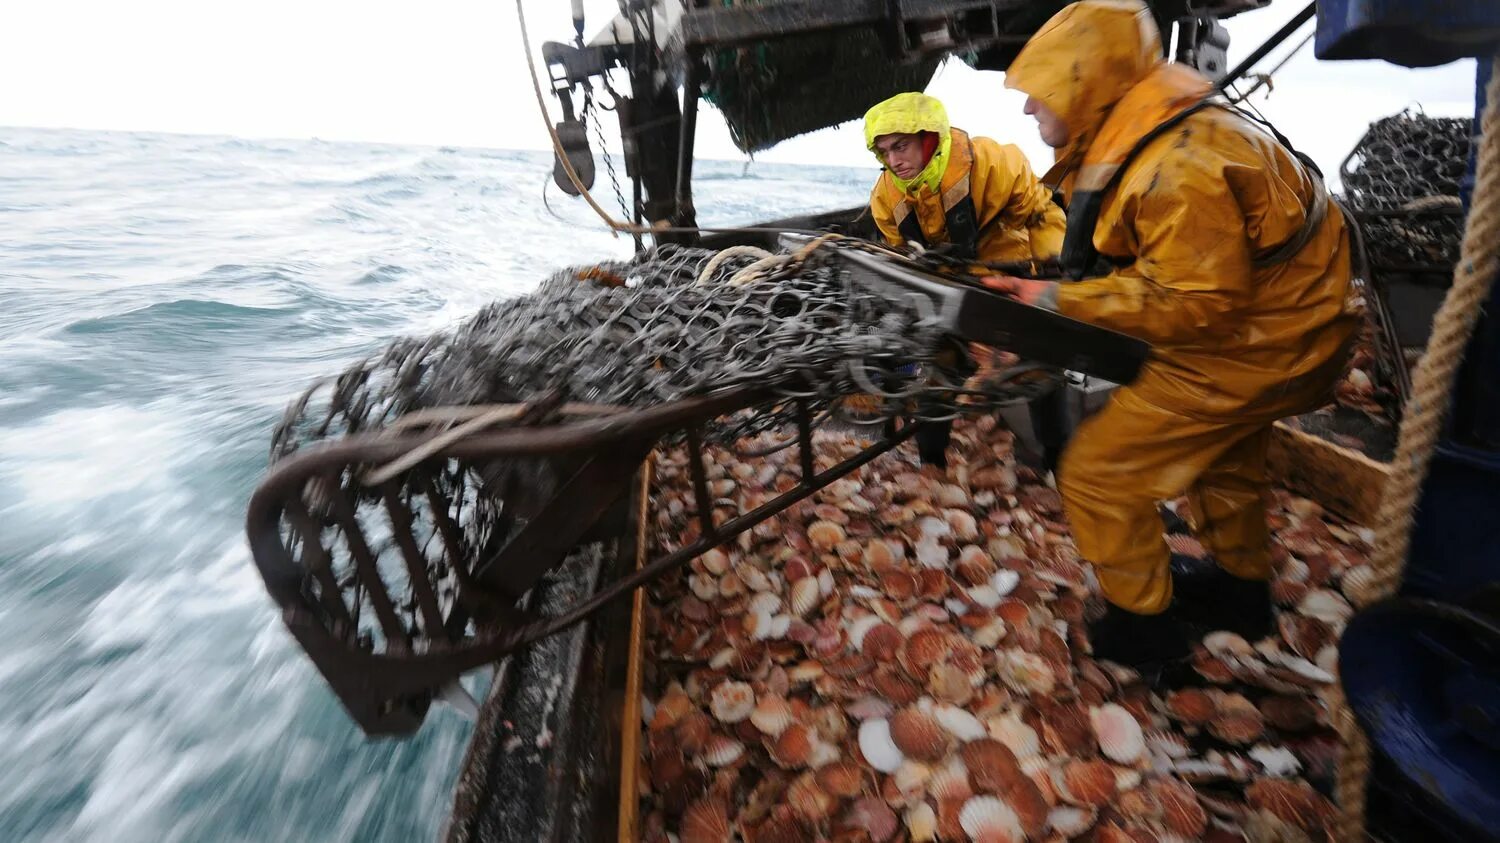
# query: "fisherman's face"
1051,127
901,153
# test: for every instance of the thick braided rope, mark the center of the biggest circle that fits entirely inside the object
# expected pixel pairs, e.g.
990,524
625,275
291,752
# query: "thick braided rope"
1421,426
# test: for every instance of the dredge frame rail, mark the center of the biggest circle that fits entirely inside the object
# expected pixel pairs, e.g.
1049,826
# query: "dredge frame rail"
394,594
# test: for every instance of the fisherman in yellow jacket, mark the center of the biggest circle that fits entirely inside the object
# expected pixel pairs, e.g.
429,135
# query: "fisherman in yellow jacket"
1224,251
939,187
972,198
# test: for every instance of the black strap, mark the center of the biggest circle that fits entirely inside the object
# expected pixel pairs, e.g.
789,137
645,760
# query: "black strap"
1078,252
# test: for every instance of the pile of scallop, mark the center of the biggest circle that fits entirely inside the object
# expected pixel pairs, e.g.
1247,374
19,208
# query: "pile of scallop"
904,656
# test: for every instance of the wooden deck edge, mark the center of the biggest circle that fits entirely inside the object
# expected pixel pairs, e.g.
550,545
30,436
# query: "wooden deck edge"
1344,481
630,719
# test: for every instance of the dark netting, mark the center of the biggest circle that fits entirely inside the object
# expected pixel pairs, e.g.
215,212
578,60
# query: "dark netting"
672,324
772,91
1402,181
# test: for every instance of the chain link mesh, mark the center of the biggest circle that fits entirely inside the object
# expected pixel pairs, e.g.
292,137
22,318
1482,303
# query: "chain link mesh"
1402,180
646,332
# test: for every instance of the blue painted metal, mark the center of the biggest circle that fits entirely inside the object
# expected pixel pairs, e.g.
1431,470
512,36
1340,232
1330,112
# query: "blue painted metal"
1423,672
1425,680
1414,33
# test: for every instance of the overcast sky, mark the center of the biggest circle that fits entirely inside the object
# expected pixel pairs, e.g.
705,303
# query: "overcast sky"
452,72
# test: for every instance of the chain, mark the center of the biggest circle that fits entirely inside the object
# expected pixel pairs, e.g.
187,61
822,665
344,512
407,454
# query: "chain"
644,332
590,115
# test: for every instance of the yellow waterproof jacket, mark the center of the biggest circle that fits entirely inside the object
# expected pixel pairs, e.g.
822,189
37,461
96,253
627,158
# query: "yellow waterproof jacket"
1200,224
1015,217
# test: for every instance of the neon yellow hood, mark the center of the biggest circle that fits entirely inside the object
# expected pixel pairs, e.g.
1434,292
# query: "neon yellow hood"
907,114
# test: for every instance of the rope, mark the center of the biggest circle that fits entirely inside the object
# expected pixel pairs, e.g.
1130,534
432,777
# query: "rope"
1420,428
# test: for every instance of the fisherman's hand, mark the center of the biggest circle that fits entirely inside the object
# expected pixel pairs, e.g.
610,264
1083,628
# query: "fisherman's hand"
1023,290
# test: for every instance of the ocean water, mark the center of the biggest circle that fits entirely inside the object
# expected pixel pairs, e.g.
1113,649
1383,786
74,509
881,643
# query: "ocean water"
161,299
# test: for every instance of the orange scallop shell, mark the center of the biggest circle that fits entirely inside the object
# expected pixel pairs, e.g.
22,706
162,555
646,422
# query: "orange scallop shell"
994,769
1181,811
919,735
1089,783
1192,706
794,746
843,779
882,642
705,821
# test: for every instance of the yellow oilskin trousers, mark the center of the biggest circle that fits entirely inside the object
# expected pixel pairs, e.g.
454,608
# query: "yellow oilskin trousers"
1110,494
1238,339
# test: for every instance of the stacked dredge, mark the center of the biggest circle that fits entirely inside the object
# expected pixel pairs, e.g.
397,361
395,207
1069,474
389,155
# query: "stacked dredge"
903,657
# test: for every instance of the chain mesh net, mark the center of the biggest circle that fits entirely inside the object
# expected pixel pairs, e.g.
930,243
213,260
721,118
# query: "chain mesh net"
649,331
1402,180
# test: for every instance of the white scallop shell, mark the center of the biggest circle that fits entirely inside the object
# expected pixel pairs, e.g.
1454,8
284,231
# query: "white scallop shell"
877,747
983,595
825,582
715,561
1019,738
989,818
765,602
1069,821
805,595
931,554
1120,736
921,823
772,715
732,702
721,751
990,634
959,723
860,627
1278,760
705,587
1005,581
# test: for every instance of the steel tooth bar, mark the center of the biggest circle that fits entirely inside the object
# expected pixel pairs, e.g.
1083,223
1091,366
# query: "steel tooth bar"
416,565
317,560
367,568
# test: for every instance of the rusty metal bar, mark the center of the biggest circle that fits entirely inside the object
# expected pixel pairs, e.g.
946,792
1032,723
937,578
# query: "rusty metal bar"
416,565
316,559
700,485
734,526
804,442
368,570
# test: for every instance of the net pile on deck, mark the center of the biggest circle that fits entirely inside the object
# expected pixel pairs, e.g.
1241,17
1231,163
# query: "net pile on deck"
905,657
652,331
1402,180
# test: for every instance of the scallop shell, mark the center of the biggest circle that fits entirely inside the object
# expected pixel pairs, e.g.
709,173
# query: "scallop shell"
919,735
1019,738
1089,783
921,823
1292,802
1224,643
705,821
772,715
1277,761
669,709
805,595
1005,581
951,781
876,746
1192,706
950,684
1238,721
1327,606
866,708
808,800
974,565
732,702
721,751
825,535
922,649
693,730
764,602
704,586
872,815
1357,583
1070,821
962,524
990,819
843,779
860,627
1120,736
1181,811
715,561
881,642
1289,713
993,769
794,747
931,553
1026,673
959,723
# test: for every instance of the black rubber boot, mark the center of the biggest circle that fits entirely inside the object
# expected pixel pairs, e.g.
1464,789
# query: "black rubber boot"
1214,599
932,442
1143,642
